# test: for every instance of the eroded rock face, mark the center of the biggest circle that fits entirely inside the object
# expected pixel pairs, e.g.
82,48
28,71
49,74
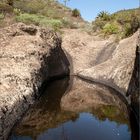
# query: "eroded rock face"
28,56
116,71
85,51
122,71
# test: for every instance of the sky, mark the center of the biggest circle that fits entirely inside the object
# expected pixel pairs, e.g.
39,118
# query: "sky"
90,8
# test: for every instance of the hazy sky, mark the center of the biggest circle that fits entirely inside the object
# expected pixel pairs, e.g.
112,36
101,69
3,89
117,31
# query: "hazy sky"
90,8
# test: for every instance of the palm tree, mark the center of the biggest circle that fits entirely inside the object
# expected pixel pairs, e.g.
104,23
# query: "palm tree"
104,15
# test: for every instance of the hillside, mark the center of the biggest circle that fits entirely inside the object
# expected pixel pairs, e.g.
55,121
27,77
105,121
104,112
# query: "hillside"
122,23
40,12
50,13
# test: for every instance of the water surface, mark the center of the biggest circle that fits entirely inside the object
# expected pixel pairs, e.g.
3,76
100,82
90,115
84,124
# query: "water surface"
75,110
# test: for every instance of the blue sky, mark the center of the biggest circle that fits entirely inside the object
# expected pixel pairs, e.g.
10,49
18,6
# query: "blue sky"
90,8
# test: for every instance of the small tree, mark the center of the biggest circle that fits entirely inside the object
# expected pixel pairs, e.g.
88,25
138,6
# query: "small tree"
65,2
76,13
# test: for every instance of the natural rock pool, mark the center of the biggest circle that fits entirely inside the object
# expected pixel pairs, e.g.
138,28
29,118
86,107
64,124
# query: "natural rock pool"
73,109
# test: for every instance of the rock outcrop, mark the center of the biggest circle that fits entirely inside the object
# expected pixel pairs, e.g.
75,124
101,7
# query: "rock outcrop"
117,71
101,60
28,56
84,50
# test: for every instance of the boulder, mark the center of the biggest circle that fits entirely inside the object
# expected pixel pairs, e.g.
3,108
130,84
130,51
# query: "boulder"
29,56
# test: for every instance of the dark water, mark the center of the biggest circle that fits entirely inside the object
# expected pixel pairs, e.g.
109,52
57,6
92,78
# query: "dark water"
50,119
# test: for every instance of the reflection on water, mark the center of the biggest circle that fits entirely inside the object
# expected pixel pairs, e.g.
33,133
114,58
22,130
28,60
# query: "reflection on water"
75,111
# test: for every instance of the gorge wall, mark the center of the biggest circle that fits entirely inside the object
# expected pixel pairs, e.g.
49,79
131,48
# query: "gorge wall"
133,91
29,56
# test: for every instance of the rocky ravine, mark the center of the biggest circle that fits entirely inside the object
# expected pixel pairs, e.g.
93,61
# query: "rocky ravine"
28,56
103,61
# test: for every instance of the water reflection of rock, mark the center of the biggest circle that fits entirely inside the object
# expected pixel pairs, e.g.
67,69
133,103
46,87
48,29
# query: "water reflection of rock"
99,100
47,112
55,108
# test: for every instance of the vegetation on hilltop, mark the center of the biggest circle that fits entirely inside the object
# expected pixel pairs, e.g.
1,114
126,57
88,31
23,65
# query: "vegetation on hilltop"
48,13
123,23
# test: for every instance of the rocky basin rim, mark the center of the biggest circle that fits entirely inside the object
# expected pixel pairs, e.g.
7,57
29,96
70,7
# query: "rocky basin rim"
119,94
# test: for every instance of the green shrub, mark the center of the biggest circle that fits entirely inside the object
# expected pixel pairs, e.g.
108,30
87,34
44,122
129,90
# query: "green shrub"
17,11
65,22
135,23
98,24
101,20
1,16
39,20
110,29
76,13
126,30
29,18
131,27
122,19
53,23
